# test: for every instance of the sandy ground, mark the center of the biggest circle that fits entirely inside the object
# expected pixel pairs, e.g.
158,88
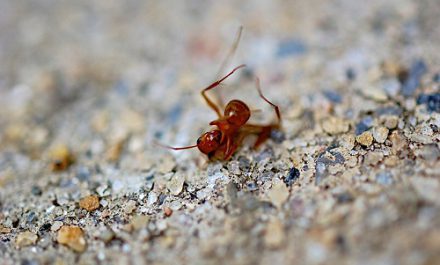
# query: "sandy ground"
86,87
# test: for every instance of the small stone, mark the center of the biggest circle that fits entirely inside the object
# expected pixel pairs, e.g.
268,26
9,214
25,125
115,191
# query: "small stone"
107,235
391,87
278,194
292,176
166,165
130,206
380,134
115,150
384,178
347,141
432,101
103,190
152,198
375,94
274,235
139,221
373,158
427,188
429,152
56,226
167,211
4,230
175,185
412,81
25,239
277,136
391,121
36,191
61,158
334,125
365,139
90,203
398,142
391,161
72,237
234,167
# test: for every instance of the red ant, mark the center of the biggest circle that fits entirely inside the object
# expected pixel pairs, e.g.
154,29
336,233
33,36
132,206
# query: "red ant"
232,126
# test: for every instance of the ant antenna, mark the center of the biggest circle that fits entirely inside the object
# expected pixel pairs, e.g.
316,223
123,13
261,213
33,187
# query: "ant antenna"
231,51
174,148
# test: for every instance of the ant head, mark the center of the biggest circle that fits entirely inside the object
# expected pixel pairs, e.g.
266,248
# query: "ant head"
209,141
237,112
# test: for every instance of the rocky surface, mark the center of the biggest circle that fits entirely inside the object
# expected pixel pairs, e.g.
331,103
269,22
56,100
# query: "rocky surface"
87,86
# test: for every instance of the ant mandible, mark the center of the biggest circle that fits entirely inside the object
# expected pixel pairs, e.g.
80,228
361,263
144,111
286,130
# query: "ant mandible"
232,126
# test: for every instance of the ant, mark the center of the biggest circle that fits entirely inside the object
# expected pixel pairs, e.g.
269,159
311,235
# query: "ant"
232,126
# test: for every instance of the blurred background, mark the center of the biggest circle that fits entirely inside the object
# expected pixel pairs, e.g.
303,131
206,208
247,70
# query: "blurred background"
64,62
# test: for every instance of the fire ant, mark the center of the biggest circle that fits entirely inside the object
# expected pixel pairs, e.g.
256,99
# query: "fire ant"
232,126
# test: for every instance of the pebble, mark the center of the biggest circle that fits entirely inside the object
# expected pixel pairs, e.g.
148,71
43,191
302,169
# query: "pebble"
72,237
167,211
36,191
166,165
139,221
373,158
61,158
107,235
375,94
390,121
333,96
292,176
385,178
347,141
427,188
115,150
175,185
274,236
429,152
152,198
391,87
234,167
291,47
278,194
432,101
365,124
277,136
103,190
90,203
25,239
56,226
412,82
398,141
4,230
130,206
380,134
365,139
334,125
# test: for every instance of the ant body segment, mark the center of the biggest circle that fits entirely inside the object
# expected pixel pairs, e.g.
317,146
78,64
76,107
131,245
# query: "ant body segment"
232,126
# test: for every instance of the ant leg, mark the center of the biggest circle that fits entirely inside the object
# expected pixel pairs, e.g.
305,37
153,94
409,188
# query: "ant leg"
262,132
213,85
234,146
276,108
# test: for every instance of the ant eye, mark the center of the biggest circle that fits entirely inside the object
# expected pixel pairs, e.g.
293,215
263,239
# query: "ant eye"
237,112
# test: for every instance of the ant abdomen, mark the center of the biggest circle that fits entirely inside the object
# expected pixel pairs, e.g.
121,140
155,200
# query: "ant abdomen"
237,112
